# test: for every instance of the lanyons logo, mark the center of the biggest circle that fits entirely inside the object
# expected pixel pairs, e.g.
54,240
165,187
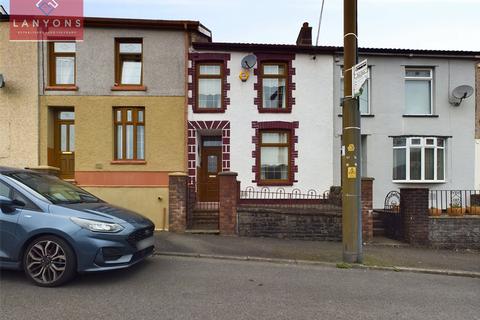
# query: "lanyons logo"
47,6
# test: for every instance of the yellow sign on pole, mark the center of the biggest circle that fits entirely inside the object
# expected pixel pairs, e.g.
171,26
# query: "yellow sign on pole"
352,172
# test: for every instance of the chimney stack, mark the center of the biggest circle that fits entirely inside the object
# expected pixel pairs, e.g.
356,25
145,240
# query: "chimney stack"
305,35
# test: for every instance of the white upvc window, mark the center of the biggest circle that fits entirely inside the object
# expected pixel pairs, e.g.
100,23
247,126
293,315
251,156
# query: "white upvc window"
418,91
419,159
364,99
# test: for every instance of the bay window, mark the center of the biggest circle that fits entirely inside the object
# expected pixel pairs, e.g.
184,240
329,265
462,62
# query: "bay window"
418,159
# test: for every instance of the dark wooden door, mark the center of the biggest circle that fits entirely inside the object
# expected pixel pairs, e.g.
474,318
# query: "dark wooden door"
65,143
211,165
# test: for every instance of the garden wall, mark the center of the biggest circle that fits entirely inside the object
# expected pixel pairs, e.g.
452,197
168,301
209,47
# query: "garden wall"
454,232
289,223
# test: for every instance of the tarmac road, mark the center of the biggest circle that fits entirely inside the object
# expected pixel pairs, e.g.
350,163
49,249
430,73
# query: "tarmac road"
191,288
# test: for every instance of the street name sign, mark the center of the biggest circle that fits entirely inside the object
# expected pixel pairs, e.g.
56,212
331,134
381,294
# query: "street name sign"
360,74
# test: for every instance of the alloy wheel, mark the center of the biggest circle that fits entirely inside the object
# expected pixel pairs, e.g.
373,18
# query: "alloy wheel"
46,261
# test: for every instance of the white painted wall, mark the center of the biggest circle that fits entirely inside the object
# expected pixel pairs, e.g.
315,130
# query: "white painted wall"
477,164
313,110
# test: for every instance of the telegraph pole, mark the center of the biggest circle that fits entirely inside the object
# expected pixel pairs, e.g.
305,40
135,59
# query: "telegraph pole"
351,143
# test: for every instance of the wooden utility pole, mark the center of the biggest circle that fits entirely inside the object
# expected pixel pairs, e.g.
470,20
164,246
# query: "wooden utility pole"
351,143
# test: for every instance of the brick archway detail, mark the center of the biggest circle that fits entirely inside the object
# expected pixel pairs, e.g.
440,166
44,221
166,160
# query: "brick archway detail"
193,127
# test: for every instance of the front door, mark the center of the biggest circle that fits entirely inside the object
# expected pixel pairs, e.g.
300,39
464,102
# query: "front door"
211,165
65,143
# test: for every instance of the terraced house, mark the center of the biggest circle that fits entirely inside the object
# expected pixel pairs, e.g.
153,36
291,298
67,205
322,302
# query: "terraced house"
108,112
414,134
271,123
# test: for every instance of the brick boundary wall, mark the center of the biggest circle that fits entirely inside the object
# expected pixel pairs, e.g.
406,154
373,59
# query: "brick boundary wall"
367,209
289,223
414,210
454,232
177,201
228,198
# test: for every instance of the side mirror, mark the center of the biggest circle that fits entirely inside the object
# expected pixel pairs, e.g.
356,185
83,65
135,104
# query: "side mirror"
8,205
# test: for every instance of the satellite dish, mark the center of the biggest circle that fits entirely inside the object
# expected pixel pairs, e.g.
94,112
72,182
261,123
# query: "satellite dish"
460,93
249,61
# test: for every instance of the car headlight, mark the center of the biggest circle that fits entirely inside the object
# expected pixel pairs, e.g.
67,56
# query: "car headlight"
97,226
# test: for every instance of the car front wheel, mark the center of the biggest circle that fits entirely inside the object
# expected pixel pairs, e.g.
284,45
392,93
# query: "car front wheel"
49,261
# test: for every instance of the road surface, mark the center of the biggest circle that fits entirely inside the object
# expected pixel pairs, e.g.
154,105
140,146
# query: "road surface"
190,288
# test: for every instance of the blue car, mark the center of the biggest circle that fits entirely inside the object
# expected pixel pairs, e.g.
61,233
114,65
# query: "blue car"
53,229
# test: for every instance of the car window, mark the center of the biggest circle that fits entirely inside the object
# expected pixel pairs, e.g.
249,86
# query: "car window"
29,205
5,191
54,189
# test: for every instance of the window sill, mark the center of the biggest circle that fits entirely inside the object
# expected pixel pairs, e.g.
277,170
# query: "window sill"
61,88
127,162
274,183
272,110
419,182
420,116
129,88
362,115
210,110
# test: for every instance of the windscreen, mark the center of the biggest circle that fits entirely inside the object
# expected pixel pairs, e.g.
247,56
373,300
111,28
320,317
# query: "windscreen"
54,189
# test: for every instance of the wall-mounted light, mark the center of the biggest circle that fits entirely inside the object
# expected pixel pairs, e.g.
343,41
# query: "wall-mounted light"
2,81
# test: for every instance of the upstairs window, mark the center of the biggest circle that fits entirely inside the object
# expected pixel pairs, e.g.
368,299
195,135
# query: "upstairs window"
209,81
274,85
275,156
418,91
418,159
62,63
129,62
129,124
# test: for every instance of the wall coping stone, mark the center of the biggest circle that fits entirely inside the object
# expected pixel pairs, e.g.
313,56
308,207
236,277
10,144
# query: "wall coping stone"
178,174
290,211
461,217
228,173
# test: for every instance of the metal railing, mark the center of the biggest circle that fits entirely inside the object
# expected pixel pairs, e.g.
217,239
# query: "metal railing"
392,202
265,197
454,202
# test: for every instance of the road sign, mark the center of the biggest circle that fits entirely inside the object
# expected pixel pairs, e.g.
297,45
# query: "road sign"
360,74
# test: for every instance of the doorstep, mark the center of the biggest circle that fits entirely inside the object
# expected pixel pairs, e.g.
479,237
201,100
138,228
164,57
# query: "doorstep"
199,231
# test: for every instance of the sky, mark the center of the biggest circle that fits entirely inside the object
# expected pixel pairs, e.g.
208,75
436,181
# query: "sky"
415,24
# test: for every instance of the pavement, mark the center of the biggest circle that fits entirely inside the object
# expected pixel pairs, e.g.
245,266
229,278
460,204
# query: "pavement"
189,288
381,254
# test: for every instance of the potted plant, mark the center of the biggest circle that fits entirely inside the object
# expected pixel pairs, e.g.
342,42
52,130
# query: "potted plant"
456,210
435,212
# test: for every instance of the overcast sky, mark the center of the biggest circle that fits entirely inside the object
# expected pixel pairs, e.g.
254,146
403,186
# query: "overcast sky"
429,24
